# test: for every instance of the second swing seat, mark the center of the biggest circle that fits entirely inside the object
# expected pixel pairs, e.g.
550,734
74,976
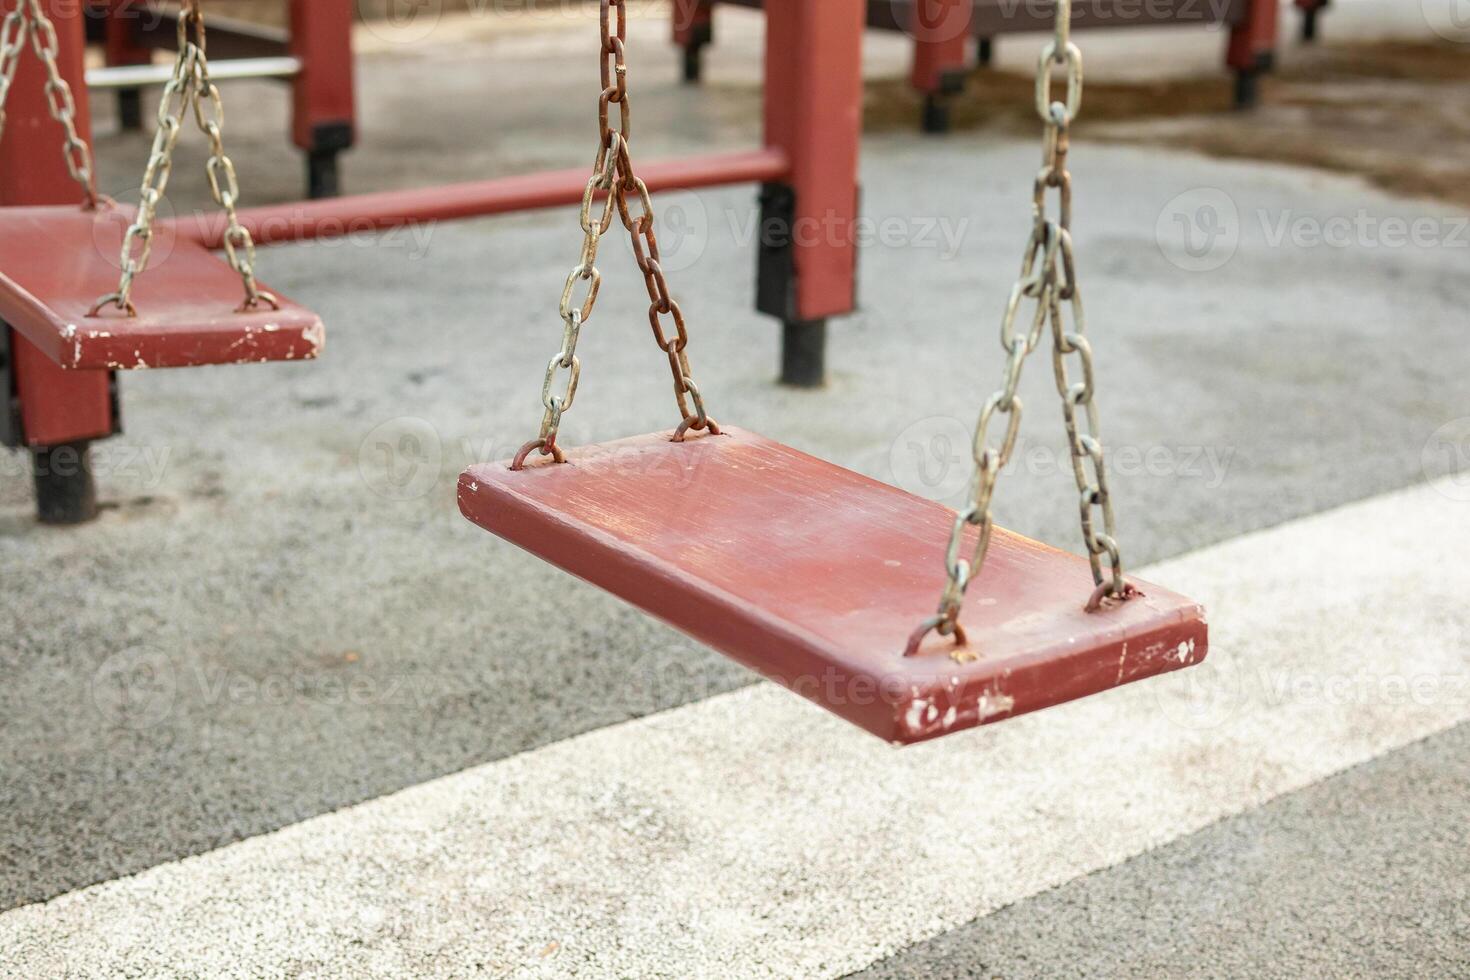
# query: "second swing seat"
56,262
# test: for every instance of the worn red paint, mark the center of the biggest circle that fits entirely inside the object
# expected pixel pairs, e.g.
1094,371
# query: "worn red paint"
56,406
814,576
813,113
325,91
186,299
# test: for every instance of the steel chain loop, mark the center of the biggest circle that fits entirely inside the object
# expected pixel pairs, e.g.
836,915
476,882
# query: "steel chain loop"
613,176
239,245
13,33
29,19
1049,280
189,88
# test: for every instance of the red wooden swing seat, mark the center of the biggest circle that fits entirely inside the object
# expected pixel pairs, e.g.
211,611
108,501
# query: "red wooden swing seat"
815,576
55,262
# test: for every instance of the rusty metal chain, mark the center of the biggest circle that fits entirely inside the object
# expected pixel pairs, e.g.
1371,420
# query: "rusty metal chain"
1049,281
30,19
613,176
239,245
13,32
188,89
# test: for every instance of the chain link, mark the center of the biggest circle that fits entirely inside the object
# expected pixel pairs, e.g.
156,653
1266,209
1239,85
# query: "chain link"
13,32
29,19
209,115
614,178
1048,281
189,89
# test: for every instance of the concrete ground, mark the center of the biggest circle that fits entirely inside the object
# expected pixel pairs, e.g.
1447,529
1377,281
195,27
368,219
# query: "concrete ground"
281,613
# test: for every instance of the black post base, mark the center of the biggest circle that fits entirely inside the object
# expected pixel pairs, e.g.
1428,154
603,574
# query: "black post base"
323,178
1247,88
804,353
1248,80
984,51
700,37
130,109
935,118
1309,25
65,490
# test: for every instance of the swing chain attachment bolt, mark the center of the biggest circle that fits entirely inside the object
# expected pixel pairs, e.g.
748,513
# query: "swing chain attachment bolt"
614,179
693,423
1049,279
189,89
30,19
545,448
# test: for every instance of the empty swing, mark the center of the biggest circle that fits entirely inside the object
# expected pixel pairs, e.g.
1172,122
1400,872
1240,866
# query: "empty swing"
56,278
817,577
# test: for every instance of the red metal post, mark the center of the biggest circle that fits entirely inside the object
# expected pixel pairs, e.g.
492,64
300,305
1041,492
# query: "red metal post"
693,29
325,114
1252,48
56,406
813,112
1310,10
940,29
123,45
59,410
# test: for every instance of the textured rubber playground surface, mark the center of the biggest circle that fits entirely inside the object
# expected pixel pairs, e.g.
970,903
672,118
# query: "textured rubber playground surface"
283,712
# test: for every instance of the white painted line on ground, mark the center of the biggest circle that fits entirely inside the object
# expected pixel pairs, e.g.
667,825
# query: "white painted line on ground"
753,835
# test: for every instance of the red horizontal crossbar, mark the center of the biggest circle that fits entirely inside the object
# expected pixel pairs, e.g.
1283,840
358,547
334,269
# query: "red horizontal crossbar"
385,210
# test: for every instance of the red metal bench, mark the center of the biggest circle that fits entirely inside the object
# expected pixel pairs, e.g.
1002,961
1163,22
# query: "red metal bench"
941,30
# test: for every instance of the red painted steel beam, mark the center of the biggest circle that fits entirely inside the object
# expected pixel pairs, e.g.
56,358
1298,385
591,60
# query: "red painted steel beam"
690,21
1253,39
321,36
813,111
385,210
940,29
123,45
56,406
